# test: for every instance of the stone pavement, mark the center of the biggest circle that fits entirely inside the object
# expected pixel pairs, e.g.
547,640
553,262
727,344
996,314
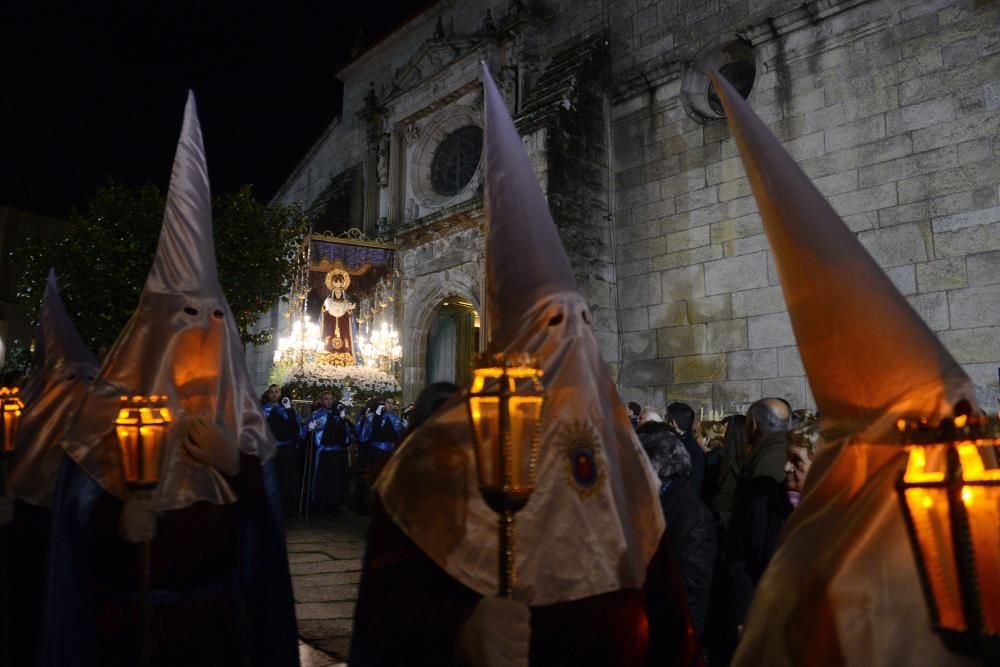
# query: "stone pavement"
324,556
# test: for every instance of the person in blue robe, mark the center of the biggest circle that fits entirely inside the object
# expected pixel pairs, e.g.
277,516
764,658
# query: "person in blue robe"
360,473
331,438
386,432
284,424
62,370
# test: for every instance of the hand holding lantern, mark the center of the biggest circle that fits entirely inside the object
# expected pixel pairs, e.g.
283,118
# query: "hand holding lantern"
138,520
505,406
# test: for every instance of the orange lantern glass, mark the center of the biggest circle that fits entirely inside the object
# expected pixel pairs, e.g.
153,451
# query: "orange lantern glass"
949,491
11,407
141,428
505,407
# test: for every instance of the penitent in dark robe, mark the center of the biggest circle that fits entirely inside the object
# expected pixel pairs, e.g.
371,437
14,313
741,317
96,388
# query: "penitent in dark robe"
221,592
62,370
592,562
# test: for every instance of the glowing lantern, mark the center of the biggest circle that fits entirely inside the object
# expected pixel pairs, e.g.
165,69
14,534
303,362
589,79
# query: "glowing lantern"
505,405
141,428
11,406
949,491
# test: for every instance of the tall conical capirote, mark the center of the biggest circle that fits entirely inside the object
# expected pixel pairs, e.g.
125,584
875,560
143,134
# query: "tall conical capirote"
62,371
185,256
593,481
57,341
851,323
842,588
525,258
182,343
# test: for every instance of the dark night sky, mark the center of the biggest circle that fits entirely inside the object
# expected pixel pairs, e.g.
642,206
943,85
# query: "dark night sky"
95,89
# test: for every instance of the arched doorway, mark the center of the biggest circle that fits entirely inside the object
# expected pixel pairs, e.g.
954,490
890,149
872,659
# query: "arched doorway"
452,341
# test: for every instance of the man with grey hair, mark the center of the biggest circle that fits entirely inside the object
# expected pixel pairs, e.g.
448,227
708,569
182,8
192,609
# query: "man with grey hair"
767,425
767,422
649,414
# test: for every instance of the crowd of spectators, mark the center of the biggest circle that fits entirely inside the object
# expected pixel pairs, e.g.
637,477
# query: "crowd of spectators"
726,489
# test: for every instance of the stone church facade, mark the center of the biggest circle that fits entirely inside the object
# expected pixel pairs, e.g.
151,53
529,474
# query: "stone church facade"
892,107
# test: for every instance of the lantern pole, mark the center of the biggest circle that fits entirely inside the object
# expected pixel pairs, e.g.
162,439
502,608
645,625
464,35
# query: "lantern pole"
506,518
10,415
145,601
140,429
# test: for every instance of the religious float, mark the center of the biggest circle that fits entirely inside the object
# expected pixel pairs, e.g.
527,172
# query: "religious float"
339,331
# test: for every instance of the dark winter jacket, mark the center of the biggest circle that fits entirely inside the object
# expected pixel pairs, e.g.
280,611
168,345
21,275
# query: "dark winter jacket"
692,531
697,455
759,513
767,459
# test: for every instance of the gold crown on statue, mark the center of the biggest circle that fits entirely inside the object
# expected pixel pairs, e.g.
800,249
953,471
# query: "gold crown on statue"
338,278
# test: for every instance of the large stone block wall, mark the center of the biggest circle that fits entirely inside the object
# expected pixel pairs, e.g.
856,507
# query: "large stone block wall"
893,108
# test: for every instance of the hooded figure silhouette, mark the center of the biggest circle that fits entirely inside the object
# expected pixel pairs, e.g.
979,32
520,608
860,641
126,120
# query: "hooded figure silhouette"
219,571
62,369
590,561
842,587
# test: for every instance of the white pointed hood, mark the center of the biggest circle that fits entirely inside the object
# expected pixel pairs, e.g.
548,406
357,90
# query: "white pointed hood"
842,587
63,368
594,520
181,342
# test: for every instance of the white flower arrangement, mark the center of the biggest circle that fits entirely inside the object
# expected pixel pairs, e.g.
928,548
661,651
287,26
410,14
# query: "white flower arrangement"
353,381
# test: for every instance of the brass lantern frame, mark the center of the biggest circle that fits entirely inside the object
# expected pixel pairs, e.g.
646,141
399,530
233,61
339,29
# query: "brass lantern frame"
957,449
495,382
11,407
142,422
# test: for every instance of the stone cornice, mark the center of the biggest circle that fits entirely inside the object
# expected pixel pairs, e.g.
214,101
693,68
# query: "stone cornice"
447,221
670,66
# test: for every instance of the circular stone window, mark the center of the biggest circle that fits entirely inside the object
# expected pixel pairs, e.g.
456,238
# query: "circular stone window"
445,164
741,74
456,160
735,61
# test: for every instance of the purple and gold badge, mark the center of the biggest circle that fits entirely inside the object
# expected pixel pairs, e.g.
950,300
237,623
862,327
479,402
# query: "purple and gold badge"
581,453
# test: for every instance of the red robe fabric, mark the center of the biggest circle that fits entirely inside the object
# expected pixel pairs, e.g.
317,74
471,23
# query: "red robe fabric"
410,612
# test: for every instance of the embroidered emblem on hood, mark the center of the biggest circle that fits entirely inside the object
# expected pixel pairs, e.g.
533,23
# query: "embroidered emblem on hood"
580,448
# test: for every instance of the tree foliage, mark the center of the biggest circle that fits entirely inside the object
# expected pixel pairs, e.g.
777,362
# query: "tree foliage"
103,260
255,249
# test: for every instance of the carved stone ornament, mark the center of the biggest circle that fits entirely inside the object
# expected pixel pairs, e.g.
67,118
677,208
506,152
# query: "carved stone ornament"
412,133
383,160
